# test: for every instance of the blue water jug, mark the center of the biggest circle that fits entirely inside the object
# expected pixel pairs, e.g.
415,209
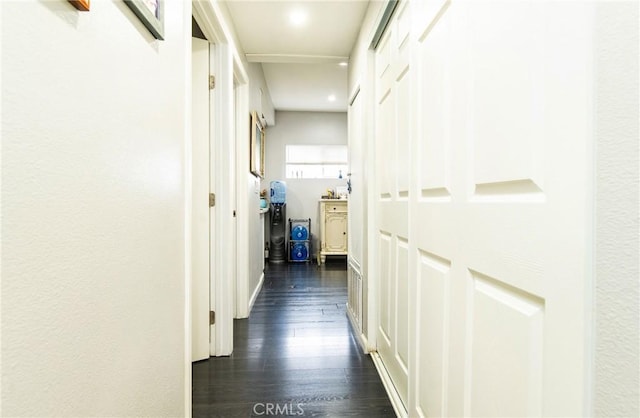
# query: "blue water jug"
299,252
278,191
299,233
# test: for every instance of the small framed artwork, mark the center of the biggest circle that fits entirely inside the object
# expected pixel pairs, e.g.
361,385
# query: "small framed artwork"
151,14
257,146
82,5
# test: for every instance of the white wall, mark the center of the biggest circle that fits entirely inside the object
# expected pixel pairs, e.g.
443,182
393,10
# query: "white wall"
303,128
250,249
617,297
250,222
261,103
93,195
250,272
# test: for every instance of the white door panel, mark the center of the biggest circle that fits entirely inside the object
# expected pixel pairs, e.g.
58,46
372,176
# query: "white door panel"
508,111
402,303
204,232
392,169
385,150
200,202
498,221
504,349
432,306
434,145
214,339
483,121
402,132
385,264
336,232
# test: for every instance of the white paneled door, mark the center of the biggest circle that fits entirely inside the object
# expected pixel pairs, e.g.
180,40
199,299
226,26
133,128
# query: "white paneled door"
203,225
483,141
200,219
392,194
503,117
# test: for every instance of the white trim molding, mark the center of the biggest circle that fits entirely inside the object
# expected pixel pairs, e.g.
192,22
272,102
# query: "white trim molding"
394,397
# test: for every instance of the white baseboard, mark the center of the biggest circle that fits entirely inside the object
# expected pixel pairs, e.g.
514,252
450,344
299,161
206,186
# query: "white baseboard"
256,292
360,337
394,397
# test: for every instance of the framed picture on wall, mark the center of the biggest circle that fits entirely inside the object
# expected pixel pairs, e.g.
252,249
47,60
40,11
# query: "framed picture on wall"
82,5
151,14
257,146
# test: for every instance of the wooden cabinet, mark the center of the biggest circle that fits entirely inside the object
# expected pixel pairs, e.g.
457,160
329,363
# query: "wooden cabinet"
333,228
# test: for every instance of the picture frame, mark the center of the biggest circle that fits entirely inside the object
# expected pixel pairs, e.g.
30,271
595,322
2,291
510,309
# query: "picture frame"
151,14
82,5
257,146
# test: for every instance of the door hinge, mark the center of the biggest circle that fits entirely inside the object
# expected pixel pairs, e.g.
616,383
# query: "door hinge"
212,82
212,318
212,200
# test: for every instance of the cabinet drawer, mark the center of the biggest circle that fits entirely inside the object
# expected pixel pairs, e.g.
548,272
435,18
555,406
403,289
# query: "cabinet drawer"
335,207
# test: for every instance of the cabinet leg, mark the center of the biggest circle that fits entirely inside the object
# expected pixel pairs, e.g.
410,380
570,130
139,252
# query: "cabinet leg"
323,258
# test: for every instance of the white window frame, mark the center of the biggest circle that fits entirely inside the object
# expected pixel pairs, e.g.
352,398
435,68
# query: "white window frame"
319,161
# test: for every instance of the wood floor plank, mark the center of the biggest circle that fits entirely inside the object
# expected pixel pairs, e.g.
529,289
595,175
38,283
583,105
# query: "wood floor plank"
295,354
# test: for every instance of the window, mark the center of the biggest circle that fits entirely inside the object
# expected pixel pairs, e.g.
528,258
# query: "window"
316,161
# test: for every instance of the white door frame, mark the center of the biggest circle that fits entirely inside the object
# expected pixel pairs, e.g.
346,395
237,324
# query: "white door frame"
241,109
208,16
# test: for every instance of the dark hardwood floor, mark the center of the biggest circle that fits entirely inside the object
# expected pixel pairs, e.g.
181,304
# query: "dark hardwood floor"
295,356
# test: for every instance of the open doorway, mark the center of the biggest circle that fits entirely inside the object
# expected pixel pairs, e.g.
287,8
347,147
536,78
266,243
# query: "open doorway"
213,206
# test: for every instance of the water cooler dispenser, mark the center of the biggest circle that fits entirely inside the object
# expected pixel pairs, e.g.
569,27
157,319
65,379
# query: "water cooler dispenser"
278,223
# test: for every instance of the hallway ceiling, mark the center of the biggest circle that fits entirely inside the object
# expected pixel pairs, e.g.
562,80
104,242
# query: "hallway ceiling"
300,45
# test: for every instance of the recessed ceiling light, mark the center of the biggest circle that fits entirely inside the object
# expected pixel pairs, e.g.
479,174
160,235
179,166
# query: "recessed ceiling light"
332,98
343,64
297,17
